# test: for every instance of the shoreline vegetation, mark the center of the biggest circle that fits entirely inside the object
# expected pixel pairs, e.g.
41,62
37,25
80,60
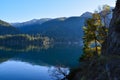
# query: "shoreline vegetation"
27,42
23,42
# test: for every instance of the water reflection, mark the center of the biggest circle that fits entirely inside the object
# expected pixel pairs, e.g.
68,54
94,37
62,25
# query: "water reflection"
58,72
38,64
15,70
25,48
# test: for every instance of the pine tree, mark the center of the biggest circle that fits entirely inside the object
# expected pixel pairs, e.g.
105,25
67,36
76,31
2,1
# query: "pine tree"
95,33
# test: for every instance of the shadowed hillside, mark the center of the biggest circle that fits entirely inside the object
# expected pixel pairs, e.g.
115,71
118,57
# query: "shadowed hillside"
6,28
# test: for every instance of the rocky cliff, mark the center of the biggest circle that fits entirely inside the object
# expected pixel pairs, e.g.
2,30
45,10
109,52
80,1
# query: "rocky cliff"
113,40
111,47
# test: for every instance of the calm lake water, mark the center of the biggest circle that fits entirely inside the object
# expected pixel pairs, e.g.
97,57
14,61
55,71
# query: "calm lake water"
38,63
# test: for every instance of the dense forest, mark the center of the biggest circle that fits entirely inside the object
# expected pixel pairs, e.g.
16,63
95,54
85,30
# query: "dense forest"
24,42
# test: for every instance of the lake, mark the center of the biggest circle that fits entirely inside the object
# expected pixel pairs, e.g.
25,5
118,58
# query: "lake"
38,63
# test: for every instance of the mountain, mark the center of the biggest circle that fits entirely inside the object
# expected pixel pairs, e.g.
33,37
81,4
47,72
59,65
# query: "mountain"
28,23
86,14
6,28
61,29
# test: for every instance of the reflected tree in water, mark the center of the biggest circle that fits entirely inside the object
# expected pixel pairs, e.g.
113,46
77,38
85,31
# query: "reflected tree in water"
58,72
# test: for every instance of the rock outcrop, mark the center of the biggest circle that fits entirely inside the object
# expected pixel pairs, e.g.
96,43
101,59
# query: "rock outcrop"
111,47
113,40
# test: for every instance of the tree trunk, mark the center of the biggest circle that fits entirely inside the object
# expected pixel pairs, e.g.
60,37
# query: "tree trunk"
96,49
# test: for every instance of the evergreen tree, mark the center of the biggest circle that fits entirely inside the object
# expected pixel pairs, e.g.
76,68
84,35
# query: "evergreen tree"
95,32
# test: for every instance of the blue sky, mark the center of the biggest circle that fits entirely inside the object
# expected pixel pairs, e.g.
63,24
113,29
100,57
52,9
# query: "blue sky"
24,10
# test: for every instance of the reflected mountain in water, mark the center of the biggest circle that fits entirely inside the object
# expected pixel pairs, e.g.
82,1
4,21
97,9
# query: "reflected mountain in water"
38,63
56,55
25,49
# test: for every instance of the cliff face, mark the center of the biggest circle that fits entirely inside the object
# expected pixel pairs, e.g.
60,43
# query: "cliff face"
111,47
113,41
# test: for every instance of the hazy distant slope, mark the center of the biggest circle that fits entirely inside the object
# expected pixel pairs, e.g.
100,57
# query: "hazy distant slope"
68,29
29,25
